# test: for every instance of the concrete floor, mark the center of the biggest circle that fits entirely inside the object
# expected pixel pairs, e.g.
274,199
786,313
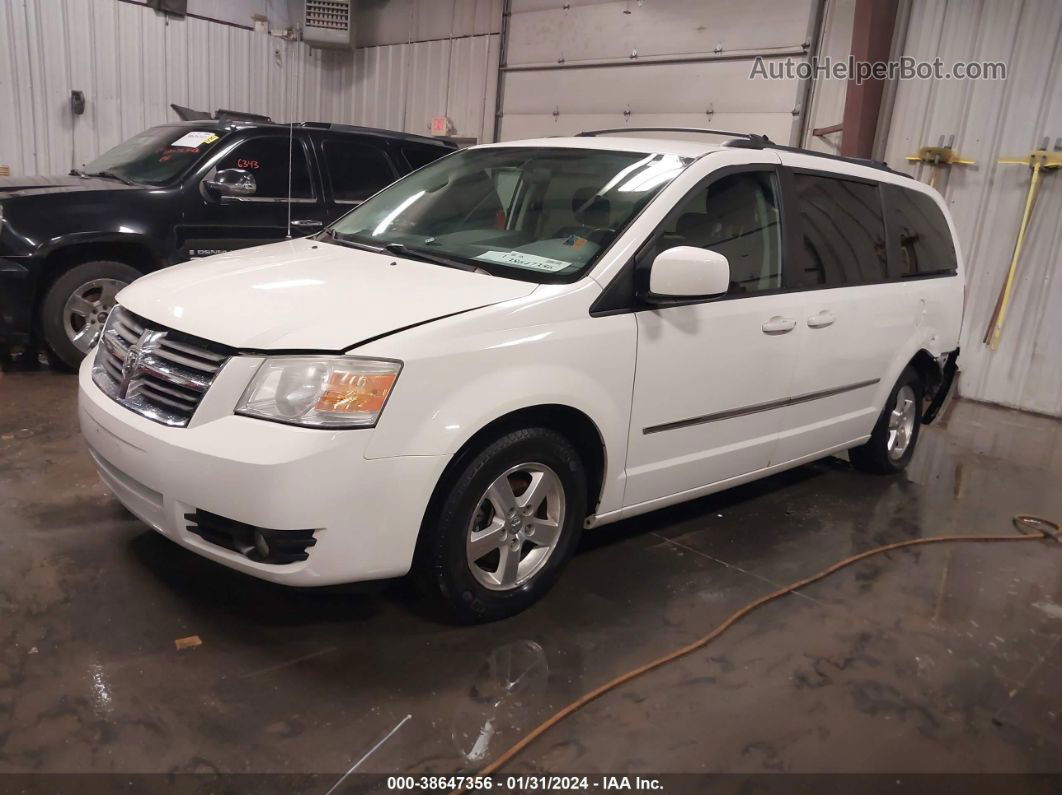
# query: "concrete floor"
942,659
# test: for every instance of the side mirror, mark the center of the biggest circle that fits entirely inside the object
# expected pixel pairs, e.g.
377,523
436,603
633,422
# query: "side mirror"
232,182
686,273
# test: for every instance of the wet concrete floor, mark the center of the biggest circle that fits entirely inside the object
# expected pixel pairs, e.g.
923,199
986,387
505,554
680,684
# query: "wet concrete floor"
938,659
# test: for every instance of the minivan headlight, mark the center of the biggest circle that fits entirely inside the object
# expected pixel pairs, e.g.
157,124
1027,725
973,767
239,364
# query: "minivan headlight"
320,391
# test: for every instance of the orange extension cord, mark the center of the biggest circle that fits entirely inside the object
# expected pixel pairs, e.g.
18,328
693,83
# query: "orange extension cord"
1033,528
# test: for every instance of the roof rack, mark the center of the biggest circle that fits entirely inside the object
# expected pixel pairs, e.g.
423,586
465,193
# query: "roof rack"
751,137
325,125
749,141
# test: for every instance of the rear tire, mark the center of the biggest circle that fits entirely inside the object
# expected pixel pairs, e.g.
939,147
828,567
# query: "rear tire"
893,440
76,307
491,551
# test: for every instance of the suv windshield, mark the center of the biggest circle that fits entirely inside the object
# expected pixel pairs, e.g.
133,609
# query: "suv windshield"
155,156
535,213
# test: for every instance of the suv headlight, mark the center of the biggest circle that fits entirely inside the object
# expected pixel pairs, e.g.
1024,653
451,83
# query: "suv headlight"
320,391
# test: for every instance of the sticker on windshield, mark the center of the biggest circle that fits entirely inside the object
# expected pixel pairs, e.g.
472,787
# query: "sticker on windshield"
532,261
194,140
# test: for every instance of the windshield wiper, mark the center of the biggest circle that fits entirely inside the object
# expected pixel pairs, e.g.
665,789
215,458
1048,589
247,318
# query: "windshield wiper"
112,175
402,250
330,232
76,172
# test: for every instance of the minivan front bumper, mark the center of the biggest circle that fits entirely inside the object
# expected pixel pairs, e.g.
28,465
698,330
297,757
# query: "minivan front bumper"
365,514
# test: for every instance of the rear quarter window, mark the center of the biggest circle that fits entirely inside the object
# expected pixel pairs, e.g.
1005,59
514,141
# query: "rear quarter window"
919,235
355,170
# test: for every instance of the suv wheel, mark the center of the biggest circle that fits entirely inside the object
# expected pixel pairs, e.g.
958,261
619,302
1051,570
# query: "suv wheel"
893,440
509,522
76,306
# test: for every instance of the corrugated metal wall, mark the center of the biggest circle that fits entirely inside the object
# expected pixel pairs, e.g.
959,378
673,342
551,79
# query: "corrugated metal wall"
132,63
991,120
609,63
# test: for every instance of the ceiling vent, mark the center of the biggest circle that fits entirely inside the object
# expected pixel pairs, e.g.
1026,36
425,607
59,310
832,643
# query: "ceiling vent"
329,23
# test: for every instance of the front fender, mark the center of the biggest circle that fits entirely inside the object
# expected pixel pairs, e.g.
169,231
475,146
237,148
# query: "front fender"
453,385
150,243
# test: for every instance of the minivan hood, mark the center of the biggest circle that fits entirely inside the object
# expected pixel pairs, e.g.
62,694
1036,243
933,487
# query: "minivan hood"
308,295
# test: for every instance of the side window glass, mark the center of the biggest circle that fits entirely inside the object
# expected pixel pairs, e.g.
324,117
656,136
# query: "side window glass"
267,161
420,155
921,234
356,171
737,216
843,232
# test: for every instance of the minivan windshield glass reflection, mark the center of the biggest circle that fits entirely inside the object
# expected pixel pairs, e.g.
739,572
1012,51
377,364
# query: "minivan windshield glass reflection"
529,213
155,156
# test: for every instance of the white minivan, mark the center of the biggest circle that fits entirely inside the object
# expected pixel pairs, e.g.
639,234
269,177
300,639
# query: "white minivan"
519,341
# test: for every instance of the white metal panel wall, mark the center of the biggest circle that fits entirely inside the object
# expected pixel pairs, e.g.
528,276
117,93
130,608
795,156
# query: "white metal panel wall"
608,63
991,120
281,13
132,63
403,21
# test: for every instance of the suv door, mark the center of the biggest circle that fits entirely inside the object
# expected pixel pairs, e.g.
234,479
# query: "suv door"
354,168
712,377
854,321
213,223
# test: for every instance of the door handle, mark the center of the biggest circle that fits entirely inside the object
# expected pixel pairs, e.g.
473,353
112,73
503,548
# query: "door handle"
822,319
779,325
306,223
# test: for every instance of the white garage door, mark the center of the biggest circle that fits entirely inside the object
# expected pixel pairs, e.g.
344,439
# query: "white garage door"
588,64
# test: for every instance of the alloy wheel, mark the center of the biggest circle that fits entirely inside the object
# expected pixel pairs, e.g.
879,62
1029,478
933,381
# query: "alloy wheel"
516,526
86,310
901,423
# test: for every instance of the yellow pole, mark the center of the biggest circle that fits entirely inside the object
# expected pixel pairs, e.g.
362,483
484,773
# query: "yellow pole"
1008,286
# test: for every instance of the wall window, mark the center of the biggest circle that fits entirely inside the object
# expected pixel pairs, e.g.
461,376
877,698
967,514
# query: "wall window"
356,171
736,216
267,161
843,231
920,233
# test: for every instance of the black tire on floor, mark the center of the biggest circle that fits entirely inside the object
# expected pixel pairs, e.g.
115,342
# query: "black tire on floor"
873,456
64,351
443,566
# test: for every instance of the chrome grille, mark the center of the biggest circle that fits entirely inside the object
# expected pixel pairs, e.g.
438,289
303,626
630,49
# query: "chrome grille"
159,373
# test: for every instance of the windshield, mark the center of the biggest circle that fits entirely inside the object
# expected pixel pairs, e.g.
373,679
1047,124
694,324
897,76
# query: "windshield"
542,214
155,156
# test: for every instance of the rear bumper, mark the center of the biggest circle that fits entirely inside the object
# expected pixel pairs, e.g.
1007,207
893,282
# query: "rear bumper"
365,514
16,300
944,389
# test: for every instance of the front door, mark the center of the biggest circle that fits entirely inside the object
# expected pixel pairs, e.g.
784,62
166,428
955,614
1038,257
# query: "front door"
212,223
712,377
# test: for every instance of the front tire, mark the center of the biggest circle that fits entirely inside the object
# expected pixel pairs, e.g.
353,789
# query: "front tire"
508,522
76,306
893,440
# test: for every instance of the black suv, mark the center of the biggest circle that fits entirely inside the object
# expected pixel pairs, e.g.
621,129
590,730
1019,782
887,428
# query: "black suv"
170,194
